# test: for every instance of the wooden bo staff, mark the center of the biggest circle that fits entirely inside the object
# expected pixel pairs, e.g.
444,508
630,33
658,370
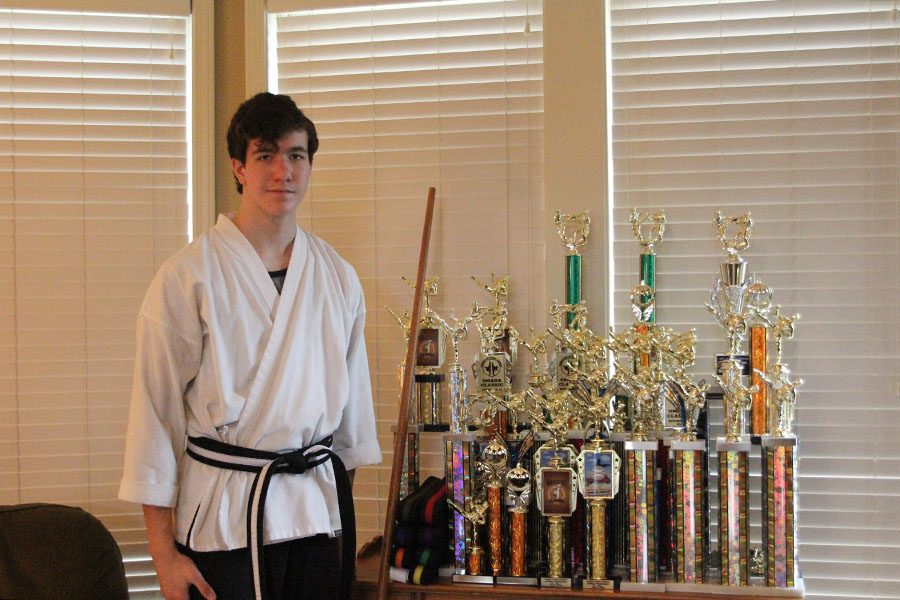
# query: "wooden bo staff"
405,393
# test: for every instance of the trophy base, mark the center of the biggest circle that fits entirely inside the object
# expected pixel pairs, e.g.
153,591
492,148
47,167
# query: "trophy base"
435,427
480,579
754,589
653,588
726,445
510,580
598,584
557,582
771,441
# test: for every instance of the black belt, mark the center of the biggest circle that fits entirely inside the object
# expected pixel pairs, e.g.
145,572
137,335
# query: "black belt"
265,464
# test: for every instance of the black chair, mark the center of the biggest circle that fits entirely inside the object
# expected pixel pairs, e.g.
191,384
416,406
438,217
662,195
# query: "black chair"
55,552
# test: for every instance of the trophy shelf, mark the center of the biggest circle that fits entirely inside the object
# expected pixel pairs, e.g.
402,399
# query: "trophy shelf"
366,585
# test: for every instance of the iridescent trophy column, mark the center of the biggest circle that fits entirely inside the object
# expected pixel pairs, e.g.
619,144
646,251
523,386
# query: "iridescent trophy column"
640,458
779,466
459,446
689,513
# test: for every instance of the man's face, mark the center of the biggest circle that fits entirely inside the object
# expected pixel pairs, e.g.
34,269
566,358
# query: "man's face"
274,176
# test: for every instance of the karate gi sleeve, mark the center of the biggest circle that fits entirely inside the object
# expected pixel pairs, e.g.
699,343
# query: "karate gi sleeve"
356,438
166,362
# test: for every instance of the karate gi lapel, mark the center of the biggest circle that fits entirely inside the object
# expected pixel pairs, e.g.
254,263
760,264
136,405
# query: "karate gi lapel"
282,315
279,309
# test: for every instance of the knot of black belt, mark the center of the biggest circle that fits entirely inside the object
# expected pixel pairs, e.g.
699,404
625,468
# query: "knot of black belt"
266,464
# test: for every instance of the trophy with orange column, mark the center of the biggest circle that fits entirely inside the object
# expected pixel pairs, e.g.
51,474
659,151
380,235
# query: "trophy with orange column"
475,513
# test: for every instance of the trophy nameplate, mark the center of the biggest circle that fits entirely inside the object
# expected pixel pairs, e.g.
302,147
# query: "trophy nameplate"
492,371
430,349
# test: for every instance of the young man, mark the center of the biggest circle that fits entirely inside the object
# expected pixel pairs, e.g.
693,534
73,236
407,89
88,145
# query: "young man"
251,389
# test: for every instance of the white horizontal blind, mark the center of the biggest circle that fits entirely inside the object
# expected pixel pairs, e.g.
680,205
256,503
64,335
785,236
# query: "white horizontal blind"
406,96
93,197
789,110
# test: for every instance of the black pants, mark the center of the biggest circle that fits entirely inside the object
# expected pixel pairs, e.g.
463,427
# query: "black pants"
302,569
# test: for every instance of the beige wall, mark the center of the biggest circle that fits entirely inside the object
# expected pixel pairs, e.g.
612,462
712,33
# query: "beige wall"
230,86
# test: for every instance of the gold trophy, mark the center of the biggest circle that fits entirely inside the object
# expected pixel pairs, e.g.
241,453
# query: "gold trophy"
648,229
518,500
573,230
409,480
475,513
557,495
499,346
493,467
728,304
429,359
598,482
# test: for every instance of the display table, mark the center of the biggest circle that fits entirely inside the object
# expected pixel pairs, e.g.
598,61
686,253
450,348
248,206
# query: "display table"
367,584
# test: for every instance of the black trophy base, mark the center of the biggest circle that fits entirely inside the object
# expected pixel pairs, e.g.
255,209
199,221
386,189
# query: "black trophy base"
480,579
564,583
510,580
598,584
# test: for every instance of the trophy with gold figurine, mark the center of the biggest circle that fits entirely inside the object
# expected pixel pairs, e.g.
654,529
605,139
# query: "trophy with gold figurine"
550,410
493,467
573,230
409,480
475,513
598,481
729,305
648,229
779,463
518,501
429,360
459,444
498,346
689,458
556,498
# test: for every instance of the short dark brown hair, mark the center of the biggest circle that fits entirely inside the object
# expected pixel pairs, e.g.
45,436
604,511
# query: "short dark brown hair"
267,117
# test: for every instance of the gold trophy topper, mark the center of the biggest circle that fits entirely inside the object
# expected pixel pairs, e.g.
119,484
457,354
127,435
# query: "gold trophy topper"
648,228
741,238
578,235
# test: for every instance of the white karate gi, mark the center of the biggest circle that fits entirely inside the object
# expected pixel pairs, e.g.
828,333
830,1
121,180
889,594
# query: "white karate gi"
220,354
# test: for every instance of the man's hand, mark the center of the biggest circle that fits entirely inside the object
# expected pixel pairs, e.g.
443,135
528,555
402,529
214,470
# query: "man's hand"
176,572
